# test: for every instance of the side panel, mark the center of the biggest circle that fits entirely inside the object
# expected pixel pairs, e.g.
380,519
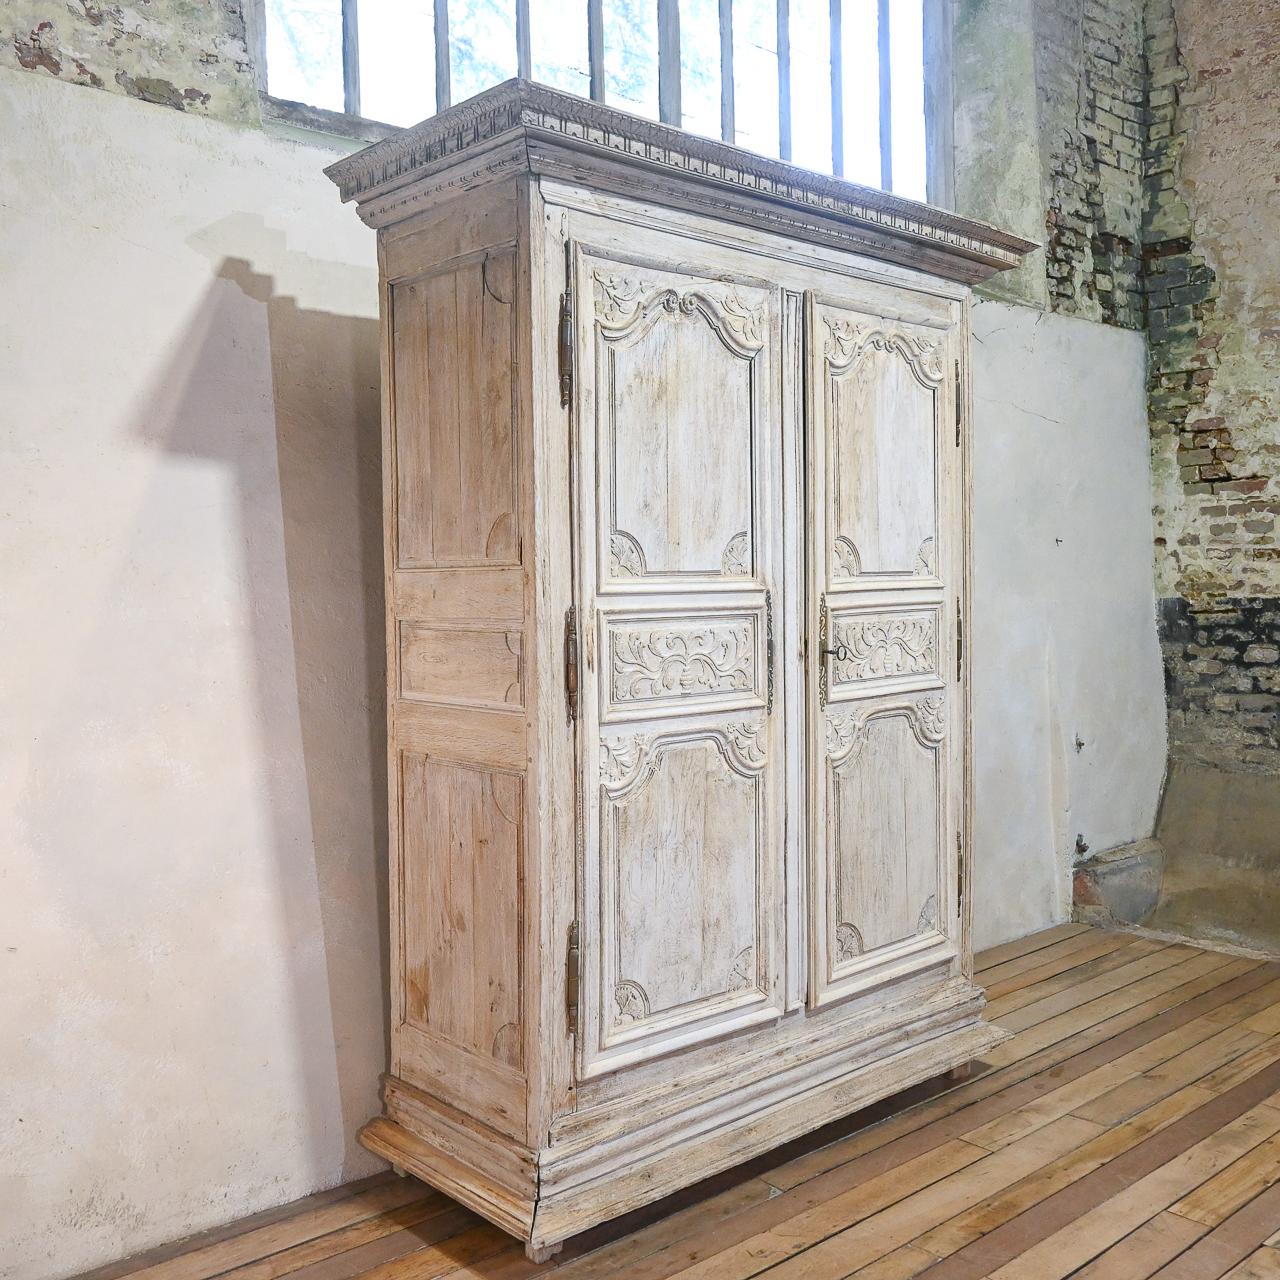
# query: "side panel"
457,628
680,565
886,564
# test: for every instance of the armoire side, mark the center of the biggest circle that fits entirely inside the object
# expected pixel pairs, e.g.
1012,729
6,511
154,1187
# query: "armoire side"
675,486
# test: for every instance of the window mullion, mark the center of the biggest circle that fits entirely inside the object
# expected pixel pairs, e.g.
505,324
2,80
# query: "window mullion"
524,41
443,97
595,47
886,96
351,57
669,62
837,90
726,70
784,79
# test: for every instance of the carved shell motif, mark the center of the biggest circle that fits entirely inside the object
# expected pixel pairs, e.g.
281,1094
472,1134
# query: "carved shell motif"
849,944
846,341
734,563
654,663
879,647
626,559
631,1002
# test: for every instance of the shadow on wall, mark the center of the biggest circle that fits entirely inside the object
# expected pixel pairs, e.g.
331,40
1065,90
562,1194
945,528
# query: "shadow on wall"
312,571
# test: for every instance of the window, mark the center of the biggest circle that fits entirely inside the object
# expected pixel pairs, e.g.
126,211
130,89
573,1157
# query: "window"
835,85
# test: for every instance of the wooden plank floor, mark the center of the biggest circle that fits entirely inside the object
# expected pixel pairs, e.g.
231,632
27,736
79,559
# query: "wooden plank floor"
1130,1129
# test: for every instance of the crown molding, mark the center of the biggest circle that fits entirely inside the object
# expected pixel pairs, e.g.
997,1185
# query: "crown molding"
539,125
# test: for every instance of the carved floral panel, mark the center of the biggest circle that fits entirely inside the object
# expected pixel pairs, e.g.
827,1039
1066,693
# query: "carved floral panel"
681,659
884,646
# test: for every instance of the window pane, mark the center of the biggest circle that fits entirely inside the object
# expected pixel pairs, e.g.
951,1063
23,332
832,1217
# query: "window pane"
482,46
304,51
811,83
559,36
631,55
755,75
397,61
906,67
860,70
700,66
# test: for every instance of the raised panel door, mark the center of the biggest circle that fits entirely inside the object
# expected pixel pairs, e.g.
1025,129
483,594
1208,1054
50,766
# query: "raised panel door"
885,564
679,560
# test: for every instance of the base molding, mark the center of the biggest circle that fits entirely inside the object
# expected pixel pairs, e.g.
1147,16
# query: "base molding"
543,1197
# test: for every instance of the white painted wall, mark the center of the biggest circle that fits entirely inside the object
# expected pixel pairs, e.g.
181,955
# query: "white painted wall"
1064,638
191,773
191,770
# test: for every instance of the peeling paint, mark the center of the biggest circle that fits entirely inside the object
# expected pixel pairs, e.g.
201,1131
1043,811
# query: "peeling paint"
189,55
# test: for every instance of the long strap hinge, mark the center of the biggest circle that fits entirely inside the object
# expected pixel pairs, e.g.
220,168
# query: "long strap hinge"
572,978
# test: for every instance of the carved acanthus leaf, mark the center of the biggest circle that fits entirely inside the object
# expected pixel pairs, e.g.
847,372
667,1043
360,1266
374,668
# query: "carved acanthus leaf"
928,918
877,646
931,715
745,745
743,321
617,297
652,662
846,730
742,974
621,759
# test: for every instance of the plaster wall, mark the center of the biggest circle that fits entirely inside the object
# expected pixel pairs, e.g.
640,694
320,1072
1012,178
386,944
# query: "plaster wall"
191,764
1069,720
192,773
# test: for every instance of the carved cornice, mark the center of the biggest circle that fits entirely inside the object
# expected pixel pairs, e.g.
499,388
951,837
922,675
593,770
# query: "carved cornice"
521,108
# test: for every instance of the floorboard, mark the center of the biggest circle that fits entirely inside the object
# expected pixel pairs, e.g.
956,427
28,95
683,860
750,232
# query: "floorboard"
1129,1129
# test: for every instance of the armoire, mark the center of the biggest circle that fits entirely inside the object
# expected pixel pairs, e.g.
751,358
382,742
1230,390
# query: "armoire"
675,482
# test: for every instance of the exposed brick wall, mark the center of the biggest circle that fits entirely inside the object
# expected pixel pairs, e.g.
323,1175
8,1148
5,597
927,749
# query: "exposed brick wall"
1211,229
1222,668
188,54
1091,81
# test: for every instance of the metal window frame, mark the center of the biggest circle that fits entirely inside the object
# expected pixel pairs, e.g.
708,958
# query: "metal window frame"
939,21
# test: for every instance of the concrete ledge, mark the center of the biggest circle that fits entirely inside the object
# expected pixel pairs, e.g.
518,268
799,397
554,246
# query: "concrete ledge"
1120,886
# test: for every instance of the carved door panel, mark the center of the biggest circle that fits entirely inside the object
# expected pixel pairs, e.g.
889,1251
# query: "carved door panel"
679,559
885,565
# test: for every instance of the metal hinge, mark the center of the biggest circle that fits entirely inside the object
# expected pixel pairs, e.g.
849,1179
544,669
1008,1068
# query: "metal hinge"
566,333
958,413
959,872
571,978
959,643
571,662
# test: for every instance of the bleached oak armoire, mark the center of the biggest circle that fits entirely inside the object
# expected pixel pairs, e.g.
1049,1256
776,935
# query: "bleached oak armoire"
676,454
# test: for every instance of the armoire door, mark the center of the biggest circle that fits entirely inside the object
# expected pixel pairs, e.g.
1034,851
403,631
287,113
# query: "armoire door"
679,562
885,563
